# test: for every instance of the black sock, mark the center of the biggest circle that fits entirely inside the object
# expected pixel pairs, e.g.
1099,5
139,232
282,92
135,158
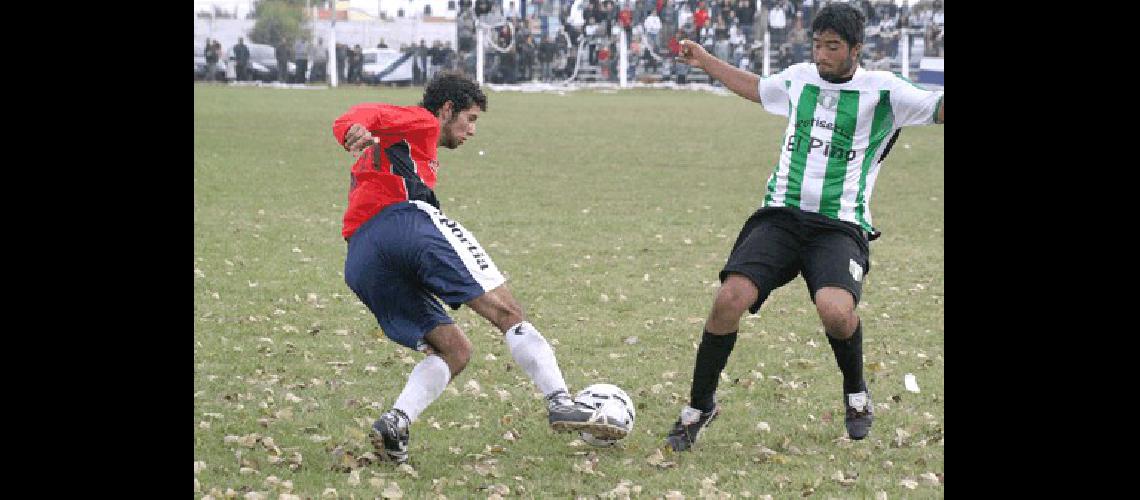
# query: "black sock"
849,357
711,358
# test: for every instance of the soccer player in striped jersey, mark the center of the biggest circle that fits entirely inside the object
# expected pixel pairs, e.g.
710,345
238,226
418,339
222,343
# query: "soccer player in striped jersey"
404,253
815,218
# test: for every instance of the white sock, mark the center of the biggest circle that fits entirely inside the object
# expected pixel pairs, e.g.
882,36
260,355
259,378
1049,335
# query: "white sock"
425,384
534,355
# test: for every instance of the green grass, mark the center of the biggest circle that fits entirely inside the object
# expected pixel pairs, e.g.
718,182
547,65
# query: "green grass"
611,214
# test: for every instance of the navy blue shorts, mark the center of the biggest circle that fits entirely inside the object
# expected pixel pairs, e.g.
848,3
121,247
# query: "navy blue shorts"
407,256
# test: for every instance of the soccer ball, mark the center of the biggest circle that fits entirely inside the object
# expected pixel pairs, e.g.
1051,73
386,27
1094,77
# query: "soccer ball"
612,408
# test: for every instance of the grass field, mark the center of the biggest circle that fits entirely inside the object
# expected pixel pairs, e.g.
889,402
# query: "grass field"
611,214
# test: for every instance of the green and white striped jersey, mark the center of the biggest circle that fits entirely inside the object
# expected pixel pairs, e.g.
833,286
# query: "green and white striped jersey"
837,136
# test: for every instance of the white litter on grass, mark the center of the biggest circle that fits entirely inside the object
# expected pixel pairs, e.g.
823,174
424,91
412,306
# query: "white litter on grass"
480,152
910,383
278,85
606,87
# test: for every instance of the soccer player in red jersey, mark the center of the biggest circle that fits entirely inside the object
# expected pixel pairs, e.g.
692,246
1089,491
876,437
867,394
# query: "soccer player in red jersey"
403,253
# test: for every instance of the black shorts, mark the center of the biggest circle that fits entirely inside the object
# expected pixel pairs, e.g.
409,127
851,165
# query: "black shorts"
778,243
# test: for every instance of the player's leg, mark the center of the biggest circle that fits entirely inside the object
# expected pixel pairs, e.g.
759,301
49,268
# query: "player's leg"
765,257
454,267
834,265
380,270
536,357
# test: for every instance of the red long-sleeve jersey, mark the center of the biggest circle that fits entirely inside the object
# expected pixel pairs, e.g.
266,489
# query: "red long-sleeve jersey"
401,167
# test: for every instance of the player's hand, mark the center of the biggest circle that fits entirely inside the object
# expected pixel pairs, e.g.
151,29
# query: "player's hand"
692,53
357,138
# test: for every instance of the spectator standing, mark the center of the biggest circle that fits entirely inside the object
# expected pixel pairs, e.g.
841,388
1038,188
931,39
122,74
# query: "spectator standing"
937,30
684,16
546,57
341,62
889,35
320,58
435,58
281,53
301,59
526,59
777,23
591,34
798,40
721,46
607,18
649,59
746,14
604,61
700,18
652,29
625,17
421,55
357,72
241,56
225,67
211,54
512,11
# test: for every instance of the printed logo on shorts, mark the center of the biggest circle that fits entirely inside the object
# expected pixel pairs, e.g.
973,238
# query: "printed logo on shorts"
856,270
457,231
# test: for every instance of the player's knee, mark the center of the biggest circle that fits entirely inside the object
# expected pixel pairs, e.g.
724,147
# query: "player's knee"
454,348
458,355
462,357
735,296
838,319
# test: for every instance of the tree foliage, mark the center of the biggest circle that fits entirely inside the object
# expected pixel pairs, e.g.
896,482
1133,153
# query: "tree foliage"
279,20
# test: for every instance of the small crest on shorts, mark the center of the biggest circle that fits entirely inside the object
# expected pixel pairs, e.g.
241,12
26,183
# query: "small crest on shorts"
856,270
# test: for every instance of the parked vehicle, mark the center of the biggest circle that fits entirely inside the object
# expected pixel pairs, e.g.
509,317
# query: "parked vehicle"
387,66
263,63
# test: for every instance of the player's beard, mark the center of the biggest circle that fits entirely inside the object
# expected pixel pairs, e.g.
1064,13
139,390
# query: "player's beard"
840,74
449,139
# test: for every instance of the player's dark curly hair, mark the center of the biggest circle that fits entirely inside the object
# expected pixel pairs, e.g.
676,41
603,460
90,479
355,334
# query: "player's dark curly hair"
454,87
845,20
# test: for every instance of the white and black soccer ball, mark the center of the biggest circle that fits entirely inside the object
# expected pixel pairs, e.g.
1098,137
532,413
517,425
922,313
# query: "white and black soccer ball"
612,406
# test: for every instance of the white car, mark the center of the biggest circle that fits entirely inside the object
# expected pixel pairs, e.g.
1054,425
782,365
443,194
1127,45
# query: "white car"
387,66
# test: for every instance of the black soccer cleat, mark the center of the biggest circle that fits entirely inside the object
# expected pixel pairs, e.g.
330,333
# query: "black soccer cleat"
860,414
689,426
390,436
565,415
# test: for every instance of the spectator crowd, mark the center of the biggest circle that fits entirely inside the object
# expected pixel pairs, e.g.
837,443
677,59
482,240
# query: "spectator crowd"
541,40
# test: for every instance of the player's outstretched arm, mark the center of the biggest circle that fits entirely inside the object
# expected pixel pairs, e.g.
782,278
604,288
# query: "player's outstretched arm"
743,83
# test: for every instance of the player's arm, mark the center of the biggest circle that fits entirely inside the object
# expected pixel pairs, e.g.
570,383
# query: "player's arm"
353,130
914,105
744,83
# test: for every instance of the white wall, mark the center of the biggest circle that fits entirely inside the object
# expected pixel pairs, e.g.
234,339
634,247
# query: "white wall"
365,33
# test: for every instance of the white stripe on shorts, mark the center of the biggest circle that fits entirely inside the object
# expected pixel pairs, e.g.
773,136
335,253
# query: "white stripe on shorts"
474,258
